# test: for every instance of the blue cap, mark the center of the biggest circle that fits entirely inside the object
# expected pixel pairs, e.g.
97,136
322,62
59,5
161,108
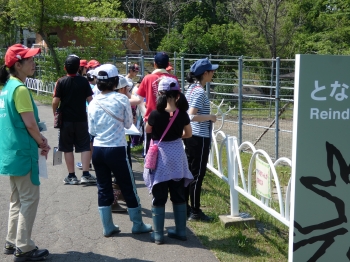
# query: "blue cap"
201,66
161,59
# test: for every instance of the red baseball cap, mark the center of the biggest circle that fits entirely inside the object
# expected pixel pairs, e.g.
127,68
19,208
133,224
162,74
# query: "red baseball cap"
93,63
83,62
169,67
18,52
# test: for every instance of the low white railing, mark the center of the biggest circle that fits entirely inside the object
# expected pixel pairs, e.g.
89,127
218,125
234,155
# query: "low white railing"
39,86
239,182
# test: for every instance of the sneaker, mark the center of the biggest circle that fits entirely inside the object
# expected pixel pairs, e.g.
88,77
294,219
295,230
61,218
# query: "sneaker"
79,165
9,248
88,179
70,180
200,216
33,255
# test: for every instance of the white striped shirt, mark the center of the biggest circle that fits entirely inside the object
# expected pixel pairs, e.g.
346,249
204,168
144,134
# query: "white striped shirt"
197,98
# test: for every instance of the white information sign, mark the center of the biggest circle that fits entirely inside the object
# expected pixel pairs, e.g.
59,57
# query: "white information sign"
263,178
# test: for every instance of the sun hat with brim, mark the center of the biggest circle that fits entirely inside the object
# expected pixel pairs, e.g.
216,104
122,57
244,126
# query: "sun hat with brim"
167,84
123,83
202,65
109,69
18,52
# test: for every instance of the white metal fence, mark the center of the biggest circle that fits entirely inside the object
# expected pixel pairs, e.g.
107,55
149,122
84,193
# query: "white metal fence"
241,182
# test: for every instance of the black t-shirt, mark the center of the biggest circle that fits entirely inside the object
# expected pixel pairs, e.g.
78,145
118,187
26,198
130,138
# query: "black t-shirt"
160,120
73,91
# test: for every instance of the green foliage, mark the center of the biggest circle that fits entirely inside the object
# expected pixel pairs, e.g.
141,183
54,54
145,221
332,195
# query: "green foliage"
198,38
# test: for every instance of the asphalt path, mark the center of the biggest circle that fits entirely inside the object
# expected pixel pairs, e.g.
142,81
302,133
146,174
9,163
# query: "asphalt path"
69,226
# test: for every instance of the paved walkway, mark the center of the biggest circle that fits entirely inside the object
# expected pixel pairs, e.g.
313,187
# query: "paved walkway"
68,222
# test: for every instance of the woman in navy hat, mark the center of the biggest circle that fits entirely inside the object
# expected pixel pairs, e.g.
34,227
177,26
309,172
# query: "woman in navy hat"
197,147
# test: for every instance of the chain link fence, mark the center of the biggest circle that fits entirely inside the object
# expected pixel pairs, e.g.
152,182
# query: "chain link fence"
256,95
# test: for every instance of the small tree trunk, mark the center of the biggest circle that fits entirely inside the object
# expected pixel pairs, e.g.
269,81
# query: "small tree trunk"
52,50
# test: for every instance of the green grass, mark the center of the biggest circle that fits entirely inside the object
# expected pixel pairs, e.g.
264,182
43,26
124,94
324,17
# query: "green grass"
43,98
267,241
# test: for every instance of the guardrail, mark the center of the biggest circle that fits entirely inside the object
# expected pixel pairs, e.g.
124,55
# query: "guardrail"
39,86
240,183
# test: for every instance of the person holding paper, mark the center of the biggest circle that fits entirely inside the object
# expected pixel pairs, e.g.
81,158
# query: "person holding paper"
19,156
108,114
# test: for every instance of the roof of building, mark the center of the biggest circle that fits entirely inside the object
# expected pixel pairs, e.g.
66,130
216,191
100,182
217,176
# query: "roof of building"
134,21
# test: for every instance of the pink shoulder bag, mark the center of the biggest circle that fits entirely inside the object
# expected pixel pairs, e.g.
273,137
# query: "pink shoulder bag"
152,154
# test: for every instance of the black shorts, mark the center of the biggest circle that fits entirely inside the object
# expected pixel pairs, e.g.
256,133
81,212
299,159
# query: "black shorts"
74,134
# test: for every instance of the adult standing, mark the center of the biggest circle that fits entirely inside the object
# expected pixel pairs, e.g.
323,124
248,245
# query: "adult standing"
19,142
148,88
109,113
198,146
71,93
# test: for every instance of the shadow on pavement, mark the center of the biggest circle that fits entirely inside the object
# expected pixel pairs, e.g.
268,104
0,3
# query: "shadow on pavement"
87,257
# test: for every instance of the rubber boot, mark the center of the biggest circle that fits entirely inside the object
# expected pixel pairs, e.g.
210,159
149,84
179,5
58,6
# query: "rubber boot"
107,221
180,217
136,217
158,215
117,208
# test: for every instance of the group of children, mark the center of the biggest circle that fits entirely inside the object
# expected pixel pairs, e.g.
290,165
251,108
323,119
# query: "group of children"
179,171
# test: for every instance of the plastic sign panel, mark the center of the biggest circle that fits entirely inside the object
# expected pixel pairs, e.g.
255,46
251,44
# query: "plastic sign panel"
320,197
263,178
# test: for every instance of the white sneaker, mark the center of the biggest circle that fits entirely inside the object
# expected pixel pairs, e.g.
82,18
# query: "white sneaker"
88,179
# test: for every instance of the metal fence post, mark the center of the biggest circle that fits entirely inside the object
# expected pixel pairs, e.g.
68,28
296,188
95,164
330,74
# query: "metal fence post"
271,85
207,88
240,89
232,169
182,74
174,65
142,66
277,104
126,65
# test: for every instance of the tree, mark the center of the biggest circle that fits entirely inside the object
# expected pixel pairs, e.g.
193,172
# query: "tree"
8,27
42,15
326,29
270,24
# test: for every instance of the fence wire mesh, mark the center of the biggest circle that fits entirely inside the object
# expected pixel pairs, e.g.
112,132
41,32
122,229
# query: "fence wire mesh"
260,91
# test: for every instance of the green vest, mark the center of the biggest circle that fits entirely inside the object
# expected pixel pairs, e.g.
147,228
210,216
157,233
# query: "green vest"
18,150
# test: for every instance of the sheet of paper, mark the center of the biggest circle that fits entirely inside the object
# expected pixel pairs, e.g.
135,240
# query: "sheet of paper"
132,131
57,156
42,165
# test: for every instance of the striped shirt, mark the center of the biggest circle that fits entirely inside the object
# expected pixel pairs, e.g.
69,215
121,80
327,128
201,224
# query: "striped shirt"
197,98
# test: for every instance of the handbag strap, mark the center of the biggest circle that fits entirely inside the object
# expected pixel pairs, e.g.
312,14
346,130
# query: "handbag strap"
169,125
109,112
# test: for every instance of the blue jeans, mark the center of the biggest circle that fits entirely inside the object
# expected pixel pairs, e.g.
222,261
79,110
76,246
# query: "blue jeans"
114,159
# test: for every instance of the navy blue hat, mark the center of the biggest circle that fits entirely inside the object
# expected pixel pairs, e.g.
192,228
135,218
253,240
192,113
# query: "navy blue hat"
161,59
201,66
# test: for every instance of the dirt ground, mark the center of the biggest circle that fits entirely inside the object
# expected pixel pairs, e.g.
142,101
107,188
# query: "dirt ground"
253,129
